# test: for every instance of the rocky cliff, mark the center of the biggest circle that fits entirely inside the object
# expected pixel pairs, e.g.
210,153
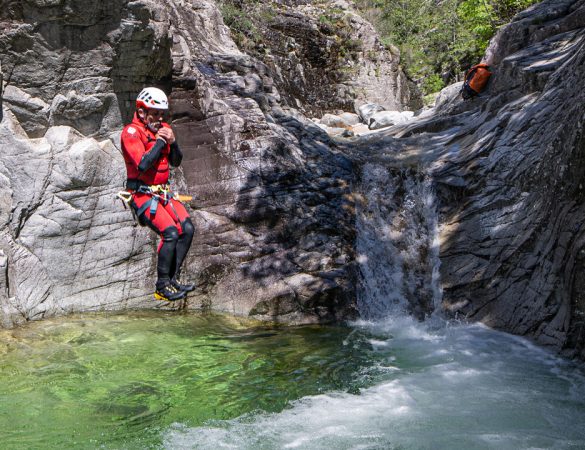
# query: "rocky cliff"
509,172
322,56
513,248
273,207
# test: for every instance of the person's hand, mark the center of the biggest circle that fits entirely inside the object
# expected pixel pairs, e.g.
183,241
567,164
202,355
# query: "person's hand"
167,134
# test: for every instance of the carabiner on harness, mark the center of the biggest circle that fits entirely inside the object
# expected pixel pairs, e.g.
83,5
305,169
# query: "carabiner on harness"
126,198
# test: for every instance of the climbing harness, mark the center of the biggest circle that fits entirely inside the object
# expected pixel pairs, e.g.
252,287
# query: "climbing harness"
159,193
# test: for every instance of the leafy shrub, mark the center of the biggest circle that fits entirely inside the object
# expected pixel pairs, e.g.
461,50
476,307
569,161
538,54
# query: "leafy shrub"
439,39
244,32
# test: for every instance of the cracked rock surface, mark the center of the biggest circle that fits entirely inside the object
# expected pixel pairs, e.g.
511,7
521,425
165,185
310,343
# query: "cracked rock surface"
513,239
273,207
509,171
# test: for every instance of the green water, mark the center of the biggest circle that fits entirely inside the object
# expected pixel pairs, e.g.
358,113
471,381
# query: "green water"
119,381
191,382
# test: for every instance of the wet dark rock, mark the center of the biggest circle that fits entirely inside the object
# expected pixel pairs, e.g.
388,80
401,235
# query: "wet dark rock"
509,171
511,244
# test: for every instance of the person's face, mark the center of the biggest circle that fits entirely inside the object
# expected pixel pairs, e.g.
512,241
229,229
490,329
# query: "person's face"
152,117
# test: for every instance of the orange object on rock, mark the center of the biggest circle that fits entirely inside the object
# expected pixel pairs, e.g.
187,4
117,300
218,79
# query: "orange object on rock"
476,80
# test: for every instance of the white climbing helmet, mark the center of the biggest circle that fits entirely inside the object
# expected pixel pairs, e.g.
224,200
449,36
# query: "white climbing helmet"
152,97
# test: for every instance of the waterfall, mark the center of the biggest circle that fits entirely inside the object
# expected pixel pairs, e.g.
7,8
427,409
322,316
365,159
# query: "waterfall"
397,244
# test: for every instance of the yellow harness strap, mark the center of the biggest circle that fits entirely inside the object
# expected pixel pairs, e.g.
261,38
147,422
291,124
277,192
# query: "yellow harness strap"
183,198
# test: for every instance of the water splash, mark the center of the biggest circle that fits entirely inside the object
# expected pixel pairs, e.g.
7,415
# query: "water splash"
397,244
446,387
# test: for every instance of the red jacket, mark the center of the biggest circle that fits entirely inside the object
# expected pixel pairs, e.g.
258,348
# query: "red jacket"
137,140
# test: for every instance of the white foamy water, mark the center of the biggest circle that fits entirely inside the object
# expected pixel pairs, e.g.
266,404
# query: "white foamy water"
445,387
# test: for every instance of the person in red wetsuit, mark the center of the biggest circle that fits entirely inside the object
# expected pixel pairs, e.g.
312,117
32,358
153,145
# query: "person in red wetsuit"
149,147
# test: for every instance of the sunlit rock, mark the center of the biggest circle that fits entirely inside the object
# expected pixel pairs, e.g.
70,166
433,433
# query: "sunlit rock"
388,118
367,110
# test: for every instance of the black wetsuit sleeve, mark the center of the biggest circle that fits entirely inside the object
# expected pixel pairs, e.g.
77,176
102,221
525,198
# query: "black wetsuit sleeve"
176,155
152,155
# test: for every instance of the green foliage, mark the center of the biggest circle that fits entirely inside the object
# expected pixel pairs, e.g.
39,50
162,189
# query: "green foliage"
433,83
325,19
244,32
439,39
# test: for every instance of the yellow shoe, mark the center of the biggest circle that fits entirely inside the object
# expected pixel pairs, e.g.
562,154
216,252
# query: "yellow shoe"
168,293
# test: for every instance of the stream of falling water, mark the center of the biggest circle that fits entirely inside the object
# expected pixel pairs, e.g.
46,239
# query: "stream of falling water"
397,244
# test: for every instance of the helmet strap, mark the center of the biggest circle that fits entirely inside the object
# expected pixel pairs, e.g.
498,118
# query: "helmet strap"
151,128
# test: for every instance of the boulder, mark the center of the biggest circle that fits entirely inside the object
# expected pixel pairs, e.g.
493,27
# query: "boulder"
366,111
449,95
343,120
384,119
350,118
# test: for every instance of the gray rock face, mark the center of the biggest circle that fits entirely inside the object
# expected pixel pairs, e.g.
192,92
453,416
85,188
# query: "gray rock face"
509,169
273,207
322,56
70,69
62,238
509,172
513,241
89,58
